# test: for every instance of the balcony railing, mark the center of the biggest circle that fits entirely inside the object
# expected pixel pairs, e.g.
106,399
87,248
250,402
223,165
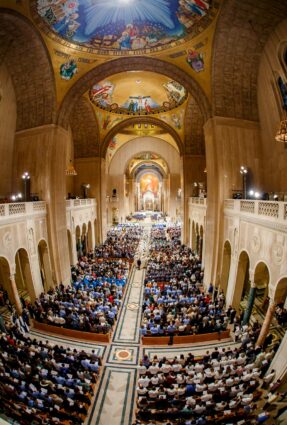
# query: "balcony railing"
266,209
198,201
22,209
80,203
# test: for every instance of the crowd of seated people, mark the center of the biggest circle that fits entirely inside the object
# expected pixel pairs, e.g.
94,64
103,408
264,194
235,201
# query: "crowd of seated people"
87,306
92,301
101,270
121,242
281,314
221,386
42,383
174,299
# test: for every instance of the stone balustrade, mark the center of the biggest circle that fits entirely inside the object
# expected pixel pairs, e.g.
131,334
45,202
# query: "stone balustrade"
80,203
21,210
198,201
271,210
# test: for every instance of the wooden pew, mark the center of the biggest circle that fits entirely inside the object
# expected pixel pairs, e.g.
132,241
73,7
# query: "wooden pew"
71,333
185,339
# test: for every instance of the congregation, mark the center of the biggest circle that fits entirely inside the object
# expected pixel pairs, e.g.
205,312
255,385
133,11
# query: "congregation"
223,385
174,299
92,302
42,383
121,242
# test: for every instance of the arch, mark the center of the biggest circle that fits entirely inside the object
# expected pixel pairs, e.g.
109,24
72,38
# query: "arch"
85,130
28,61
78,241
280,293
261,282
138,120
200,242
5,273
128,150
70,245
23,276
225,265
90,237
45,265
237,97
150,164
84,239
193,238
95,231
242,279
131,64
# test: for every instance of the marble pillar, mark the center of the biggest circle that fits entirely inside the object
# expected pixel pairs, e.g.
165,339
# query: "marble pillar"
16,297
250,303
266,324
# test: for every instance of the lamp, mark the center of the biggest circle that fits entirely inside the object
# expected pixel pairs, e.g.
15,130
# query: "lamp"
26,186
243,172
70,171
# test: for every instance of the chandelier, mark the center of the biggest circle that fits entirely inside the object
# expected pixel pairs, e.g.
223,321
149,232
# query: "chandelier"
70,171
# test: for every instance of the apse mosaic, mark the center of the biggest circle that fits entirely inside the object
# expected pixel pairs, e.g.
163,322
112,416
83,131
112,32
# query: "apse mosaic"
140,93
126,25
149,183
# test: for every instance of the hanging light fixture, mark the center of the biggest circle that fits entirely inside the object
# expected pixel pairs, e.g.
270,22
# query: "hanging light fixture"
70,171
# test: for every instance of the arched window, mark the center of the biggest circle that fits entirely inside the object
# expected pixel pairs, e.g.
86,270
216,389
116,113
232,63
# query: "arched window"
283,91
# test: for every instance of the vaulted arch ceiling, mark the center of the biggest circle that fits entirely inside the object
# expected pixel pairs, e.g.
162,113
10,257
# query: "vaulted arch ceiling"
85,130
23,52
136,120
241,33
131,64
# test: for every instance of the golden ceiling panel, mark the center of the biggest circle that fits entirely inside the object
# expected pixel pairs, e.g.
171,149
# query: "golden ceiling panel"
123,27
137,93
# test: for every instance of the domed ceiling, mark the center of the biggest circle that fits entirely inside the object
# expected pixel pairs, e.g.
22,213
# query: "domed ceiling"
120,26
140,93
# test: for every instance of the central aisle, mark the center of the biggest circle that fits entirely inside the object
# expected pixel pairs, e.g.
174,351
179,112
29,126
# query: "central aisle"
115,397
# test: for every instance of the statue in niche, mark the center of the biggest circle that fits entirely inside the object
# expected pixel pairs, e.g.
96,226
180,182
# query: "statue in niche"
31,241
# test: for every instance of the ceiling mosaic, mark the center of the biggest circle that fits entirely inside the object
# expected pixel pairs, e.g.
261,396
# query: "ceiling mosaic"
120,26
140,93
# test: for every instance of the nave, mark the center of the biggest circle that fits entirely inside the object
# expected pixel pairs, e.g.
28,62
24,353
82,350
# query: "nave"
135,383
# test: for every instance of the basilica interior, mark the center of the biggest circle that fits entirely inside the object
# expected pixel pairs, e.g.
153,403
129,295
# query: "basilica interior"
143,211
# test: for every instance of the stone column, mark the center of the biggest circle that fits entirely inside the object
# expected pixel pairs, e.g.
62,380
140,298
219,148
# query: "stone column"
250,303
74,248
15,293
266,324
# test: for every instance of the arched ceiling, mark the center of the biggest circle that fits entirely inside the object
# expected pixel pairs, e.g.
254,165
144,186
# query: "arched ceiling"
23,52
145,161
120,26
85,130
137,93
242,30
151,123
211,47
